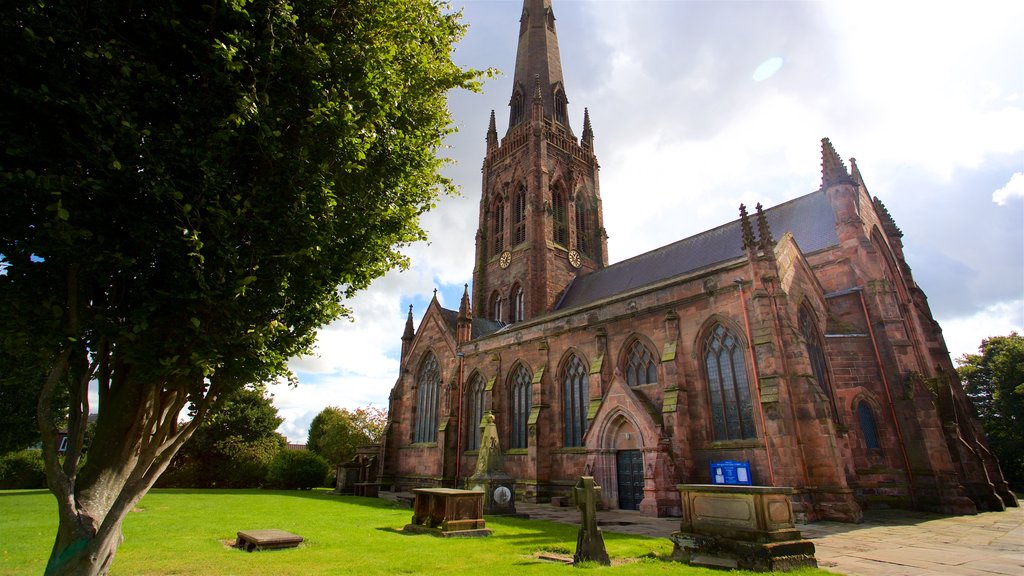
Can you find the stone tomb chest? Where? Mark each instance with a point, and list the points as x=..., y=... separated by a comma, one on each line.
x=746, y=527
x=448, y=512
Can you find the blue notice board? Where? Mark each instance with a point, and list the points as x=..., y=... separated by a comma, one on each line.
x=730, y=472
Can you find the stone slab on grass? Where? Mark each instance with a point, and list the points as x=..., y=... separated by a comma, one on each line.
x=252, y=540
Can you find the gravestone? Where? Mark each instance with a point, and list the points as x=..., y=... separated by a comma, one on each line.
x=589, y=541
x=489, y=476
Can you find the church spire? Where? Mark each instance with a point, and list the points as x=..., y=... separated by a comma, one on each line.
x=408, y=335
x=538, y=57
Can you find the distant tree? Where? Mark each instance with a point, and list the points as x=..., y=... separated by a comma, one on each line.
x=233, y=447
x=335, y=433
x=297, y=470
x=994, y=381
x=186, y=185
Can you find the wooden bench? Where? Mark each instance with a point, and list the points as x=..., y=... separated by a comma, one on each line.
x=252, y=540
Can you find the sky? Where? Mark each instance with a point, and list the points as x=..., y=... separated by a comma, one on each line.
x=698, y=106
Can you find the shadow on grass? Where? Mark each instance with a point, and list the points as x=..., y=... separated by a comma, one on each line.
x=23, y=492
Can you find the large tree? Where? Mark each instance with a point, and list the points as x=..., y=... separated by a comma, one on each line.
x=335, y=433
x=234, y=445
x=186, y=185
x=994, y=381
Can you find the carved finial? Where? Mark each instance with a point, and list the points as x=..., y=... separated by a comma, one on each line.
x=748, y=232
x=588, y=130
x=435, y=293
x=833, y=171
x=492, y=132
x=409, y=332
x=763, y=230
x=465, y=312
x=855, y=173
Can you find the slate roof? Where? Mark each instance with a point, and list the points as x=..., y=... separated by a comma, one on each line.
x=809, y=218
x=481, y=326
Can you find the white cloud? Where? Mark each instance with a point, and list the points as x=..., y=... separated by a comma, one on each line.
x=964, y=335
x=927, y=96
x=1013, y=189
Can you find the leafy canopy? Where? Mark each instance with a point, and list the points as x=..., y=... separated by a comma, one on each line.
x=335, y=433
x=186, y=185
x=994, y=381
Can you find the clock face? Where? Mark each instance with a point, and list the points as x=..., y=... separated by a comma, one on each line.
x=505, y=259
x=502, y=495
x=574, y=259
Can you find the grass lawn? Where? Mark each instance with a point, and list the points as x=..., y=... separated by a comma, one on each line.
x=183, y=532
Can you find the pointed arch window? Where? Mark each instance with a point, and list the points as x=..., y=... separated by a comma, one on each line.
x=495, y=306
x=816, y=354
x=517, y=304
x=575, y=398
x=582, y=226
x=519, y=217
x=475, y=412
x=640, y=366
x=732, y=411
x=521, y=401
x=498, y=226
x=428, y=385
x=559, y=230
x=561, y=106
x=517, y=107
x=866, y=417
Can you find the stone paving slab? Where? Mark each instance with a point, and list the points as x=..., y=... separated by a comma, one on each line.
x=887, y=543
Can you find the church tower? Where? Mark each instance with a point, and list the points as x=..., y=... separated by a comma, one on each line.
x=540, y=208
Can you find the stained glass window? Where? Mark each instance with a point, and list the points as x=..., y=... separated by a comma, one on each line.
x=428, y=386
x=576, y=397
x=732, y=412
x=640, y=366
x=521, y=396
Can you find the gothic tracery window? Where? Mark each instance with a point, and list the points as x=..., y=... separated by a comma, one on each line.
x=475, y=413
x=521, y=398
x=517, y=107
x=559, y=231
x=575, y=399
x=498, y=226
x=519, y=217
x=517, y=304
x=640, y=366
x=582, y=226
x=732, y=412
x=495, y=306
x=868, y=427
x=561, y=108
x=816, y=355
x=428, y=387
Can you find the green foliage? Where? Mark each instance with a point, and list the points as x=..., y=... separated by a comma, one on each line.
x=994, y=381
x=22, y=470
x=186, y=185
x=233, y=447
x=297, y=469
x=335, y=433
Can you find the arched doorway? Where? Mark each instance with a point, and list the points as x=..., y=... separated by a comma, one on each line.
x=629, y=464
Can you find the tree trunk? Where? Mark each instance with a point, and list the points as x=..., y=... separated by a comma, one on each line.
x=79, y=551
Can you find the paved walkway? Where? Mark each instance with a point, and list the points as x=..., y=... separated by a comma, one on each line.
x=887, y=543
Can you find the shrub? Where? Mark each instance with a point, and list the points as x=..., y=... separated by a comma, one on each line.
x=297, y=469
x=22, y=470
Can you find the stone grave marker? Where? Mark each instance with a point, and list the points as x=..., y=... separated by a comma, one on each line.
x=589, y=541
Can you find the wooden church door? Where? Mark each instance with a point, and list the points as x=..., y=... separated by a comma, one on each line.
x=630, y=472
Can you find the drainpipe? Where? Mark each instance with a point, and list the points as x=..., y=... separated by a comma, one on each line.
x=888, y=395
x=757, y=379
x=458, y=423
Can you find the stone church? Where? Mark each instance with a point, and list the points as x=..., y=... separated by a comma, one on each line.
x=793, y=338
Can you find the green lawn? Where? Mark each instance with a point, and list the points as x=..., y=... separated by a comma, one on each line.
x=183, y=532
